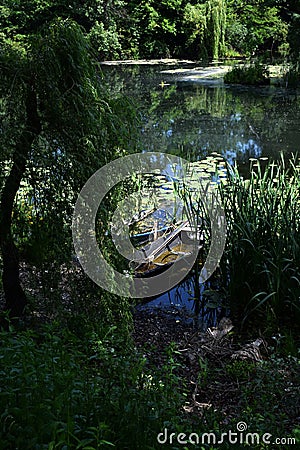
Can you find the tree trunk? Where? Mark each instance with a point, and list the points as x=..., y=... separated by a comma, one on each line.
x=15, y=298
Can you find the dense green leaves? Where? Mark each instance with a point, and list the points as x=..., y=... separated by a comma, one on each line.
x=255, y=27
x=204, y=26
x=58, y=127
x=133, y=28
x=65, y=392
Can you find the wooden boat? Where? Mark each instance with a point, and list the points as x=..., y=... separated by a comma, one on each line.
x=151, y=235
x=149, y=225
x=161, y=254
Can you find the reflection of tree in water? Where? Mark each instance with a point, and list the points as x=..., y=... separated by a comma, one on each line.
x=203, y=305
x=237, y=124
x=193, y=119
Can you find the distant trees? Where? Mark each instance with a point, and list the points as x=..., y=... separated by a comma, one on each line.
x=208, y=28
x=255, y=27
x=155, y=26
x=197, y=29
x=293, y=13
x=204, y=27
x=179, y=28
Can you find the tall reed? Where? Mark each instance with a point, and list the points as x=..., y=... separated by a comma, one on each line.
x=261, y=265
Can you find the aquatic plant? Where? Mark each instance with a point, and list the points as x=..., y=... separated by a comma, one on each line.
x=261, y=264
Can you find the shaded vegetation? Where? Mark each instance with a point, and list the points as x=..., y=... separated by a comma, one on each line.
x=64, y=128
x=74, y=373
x=90, y=391
x=255, y=74
x=262, y=262
x=80, y=392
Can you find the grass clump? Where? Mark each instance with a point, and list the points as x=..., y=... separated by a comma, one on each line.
x=261, y=264
x=253, y=74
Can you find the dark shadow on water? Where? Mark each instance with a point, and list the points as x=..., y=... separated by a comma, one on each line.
x=198, y=305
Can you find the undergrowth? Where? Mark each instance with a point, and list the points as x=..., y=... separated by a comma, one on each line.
x=61, y=392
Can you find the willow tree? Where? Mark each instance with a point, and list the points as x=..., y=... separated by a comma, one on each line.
x=204, y=25
x=216, y=24
x=52, y=103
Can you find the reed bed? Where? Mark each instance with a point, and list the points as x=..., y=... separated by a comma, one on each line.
x=261, y=264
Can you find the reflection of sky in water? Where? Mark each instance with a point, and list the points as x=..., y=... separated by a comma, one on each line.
x=250, y=149
x=247, y=148
x=180, y=303
x=236, y=117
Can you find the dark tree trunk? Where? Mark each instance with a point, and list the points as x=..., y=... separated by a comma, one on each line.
x=15, y=298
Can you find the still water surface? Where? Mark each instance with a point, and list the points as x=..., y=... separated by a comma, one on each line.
x=192, y=117
x=195, y=118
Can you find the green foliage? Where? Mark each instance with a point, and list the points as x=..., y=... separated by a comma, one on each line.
x=155, y=26
x=105, y=41
x=292, y=77
x=294, y=35
x=195, y=26
x=266, y=399
x=240, y=370
x=80, y=129
x=201, y=29
x=102, y=21
x=204, y=27
x=253, y=74
x=64, y=392
x=262, y=260
x=73, y=104
x=255, y=28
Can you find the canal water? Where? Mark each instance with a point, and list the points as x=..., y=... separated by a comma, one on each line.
x=188, y=111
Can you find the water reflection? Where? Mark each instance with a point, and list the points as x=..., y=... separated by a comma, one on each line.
x=192, y=303
x=194, y=119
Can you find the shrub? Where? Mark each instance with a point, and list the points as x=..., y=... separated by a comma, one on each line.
x=292, y=77
x=62, y=392
x=253, y=74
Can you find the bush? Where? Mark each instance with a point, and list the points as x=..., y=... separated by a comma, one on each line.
x=62, y=392
x=255, y=74
x=292, y=77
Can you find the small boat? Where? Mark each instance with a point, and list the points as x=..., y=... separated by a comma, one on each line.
x=152, y=224
x=151, y=235
x=161, y=254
